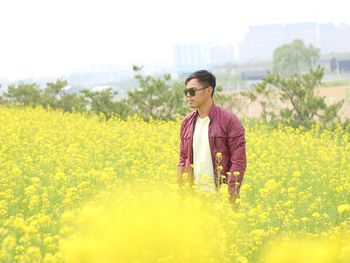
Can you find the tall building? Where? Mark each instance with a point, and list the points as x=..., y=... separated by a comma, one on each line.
x=222, y=55
x=327, y=37
x=191, y=57
x=261, y=41
x=342, y=38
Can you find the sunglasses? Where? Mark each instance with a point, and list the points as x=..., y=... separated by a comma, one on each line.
x=192, y=91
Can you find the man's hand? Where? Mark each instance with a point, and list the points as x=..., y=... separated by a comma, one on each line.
x=180, y=180
x=234, y=200
x=180, y=177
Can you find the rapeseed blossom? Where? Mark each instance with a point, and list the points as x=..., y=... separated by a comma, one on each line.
x=75, y=188
x=343, y=208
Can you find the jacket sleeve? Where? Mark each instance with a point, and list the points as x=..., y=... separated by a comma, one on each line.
x=182, y=157
x=237, y=149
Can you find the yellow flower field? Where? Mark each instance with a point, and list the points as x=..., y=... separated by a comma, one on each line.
x=74, y=188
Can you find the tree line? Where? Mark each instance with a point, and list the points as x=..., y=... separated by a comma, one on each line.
x=155, y=97
x=291, y=83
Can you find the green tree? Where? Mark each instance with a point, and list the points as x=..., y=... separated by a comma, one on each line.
x=233, y=100
x=177, y=100
x=299, y=105
x=101, y=102
x=72, y=103
x=1, y=98
x=53, y=93
x=24, y=94
x=295, y=58
x=122, y=109
x=156, y=97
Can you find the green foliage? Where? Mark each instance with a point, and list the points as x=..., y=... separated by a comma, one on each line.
x=228, y=78
x=177, y=99
x=1, y=98
x=101, y=102
x=72, y=103
x=294, y=57
x=52, y=94
x=24, y=94
x=232, y=101
x=156, y=97
x=122, y=109
x=295, y=95
x=290, y=99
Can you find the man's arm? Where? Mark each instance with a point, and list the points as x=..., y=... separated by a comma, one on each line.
x=182, y=158
x=236, y=145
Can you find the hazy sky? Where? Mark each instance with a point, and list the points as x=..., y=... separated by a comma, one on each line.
x=52, y=37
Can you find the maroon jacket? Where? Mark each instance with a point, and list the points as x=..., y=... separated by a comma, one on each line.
x=226, y=136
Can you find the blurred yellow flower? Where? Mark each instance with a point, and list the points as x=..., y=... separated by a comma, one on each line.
x=77, y=188
x=343, y=208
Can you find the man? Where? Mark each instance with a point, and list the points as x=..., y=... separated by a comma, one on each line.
x=212, y=139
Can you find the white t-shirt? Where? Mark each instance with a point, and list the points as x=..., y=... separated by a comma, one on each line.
x=202, y=159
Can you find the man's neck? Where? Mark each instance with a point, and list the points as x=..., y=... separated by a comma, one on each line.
x=204, y=109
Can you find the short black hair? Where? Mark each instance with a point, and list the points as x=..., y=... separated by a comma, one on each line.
x=205, y=77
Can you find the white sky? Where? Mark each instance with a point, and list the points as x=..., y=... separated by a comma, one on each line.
x=52, y=37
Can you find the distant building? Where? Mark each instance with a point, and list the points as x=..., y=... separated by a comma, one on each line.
x=342, y=37
x=326, y=63
x=191, y=57
x=341, y=65
x=222, y=55
x=261, y=41
x=248, y=75
x=334, y=39
x=327, y=38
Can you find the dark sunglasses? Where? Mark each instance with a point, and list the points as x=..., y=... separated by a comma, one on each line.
x=192, y=91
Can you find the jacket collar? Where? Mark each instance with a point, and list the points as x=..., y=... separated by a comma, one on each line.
x=211, y=113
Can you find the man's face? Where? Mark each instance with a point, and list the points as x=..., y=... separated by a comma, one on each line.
x=201, y=95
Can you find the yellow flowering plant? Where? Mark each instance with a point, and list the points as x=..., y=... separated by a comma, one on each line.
x=74, y=188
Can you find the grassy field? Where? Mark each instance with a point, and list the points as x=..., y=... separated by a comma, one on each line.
x=335, y=83
x=74, y=188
